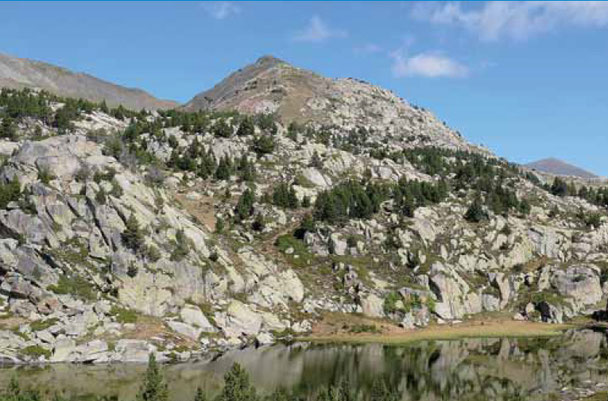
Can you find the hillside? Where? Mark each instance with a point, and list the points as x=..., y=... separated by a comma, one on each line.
x=271, y=85
x=184, y=232
x=559, y=167
x=17, y=73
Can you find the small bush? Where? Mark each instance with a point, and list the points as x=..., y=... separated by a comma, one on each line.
x=133, y=236
x=123, y=315
x=45, y=175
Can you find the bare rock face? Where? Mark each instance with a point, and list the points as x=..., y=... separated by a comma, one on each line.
x=581, y=283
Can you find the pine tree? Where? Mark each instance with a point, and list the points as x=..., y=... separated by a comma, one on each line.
x=224, y=169
x=475, y=213
x=244, y=207
x=246, y=127
x=7, y=129
x=133, y=236
x=237, y=386
x=104, y=107
x=292, y=198
x=263, y=144
x=154, y=387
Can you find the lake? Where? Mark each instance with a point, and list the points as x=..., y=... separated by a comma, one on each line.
x=469, y=369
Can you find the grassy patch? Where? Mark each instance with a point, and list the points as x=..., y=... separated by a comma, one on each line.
x=76, y=285
x=473, y=329
x=364, y=328
x=123, y=315
x=40, y=325
x=301, y=256
x=35, y=351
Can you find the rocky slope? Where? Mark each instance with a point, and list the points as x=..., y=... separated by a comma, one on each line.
x=180, y=232
x=17, y=73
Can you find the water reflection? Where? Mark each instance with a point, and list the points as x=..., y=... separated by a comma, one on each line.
x=472, y=369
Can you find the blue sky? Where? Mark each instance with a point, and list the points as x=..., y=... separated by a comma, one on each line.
x=527, y=79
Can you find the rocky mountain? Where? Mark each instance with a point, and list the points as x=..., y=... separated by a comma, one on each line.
x=125, y=233
x=271, y=85
x=560, y=167
x=17, y=73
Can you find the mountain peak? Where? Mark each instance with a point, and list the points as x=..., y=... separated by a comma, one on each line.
x=269, y=60
x=552, y=165
x=270, y=85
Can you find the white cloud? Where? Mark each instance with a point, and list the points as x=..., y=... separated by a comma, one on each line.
x=318, y=31
x=429, y=65
x=221, y=9
x=495, y=20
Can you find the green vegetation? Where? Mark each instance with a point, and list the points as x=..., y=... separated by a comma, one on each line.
x=183, y=245
x=40, y=325
x=74, y=285
x=244, y=207
x=9, y=192
x=133, y=236
x=154, y=387
x=263, y=144
x=35, y=351
x=476, y=213
x=390, y=302
x=283, y=195
x=123, y=315
x=237, y=387
x=353, y=199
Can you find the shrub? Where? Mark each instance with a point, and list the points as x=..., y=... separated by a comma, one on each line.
x=476, y=213
x=219, y=225
x=100, y=196
x=246, y=127
x=10, y=192
x=133, y=237
x=8, y=129
x=35, y=351
x=222, y=129
x=183, y=244
x=45, y=175
x=263, y=144
x=390, y=302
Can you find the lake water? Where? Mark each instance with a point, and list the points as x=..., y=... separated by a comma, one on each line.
x=471, y=369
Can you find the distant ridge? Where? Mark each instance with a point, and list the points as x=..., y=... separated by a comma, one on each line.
x=18, y=73
x=560, y=167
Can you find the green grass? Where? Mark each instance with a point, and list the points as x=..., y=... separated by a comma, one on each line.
x=75, y=285
x=40, y=325
x=364, y=328
x=301, y=256
x=35, y=351
x=123, y=315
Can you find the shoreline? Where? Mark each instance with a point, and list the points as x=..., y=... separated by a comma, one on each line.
x=494, y=328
